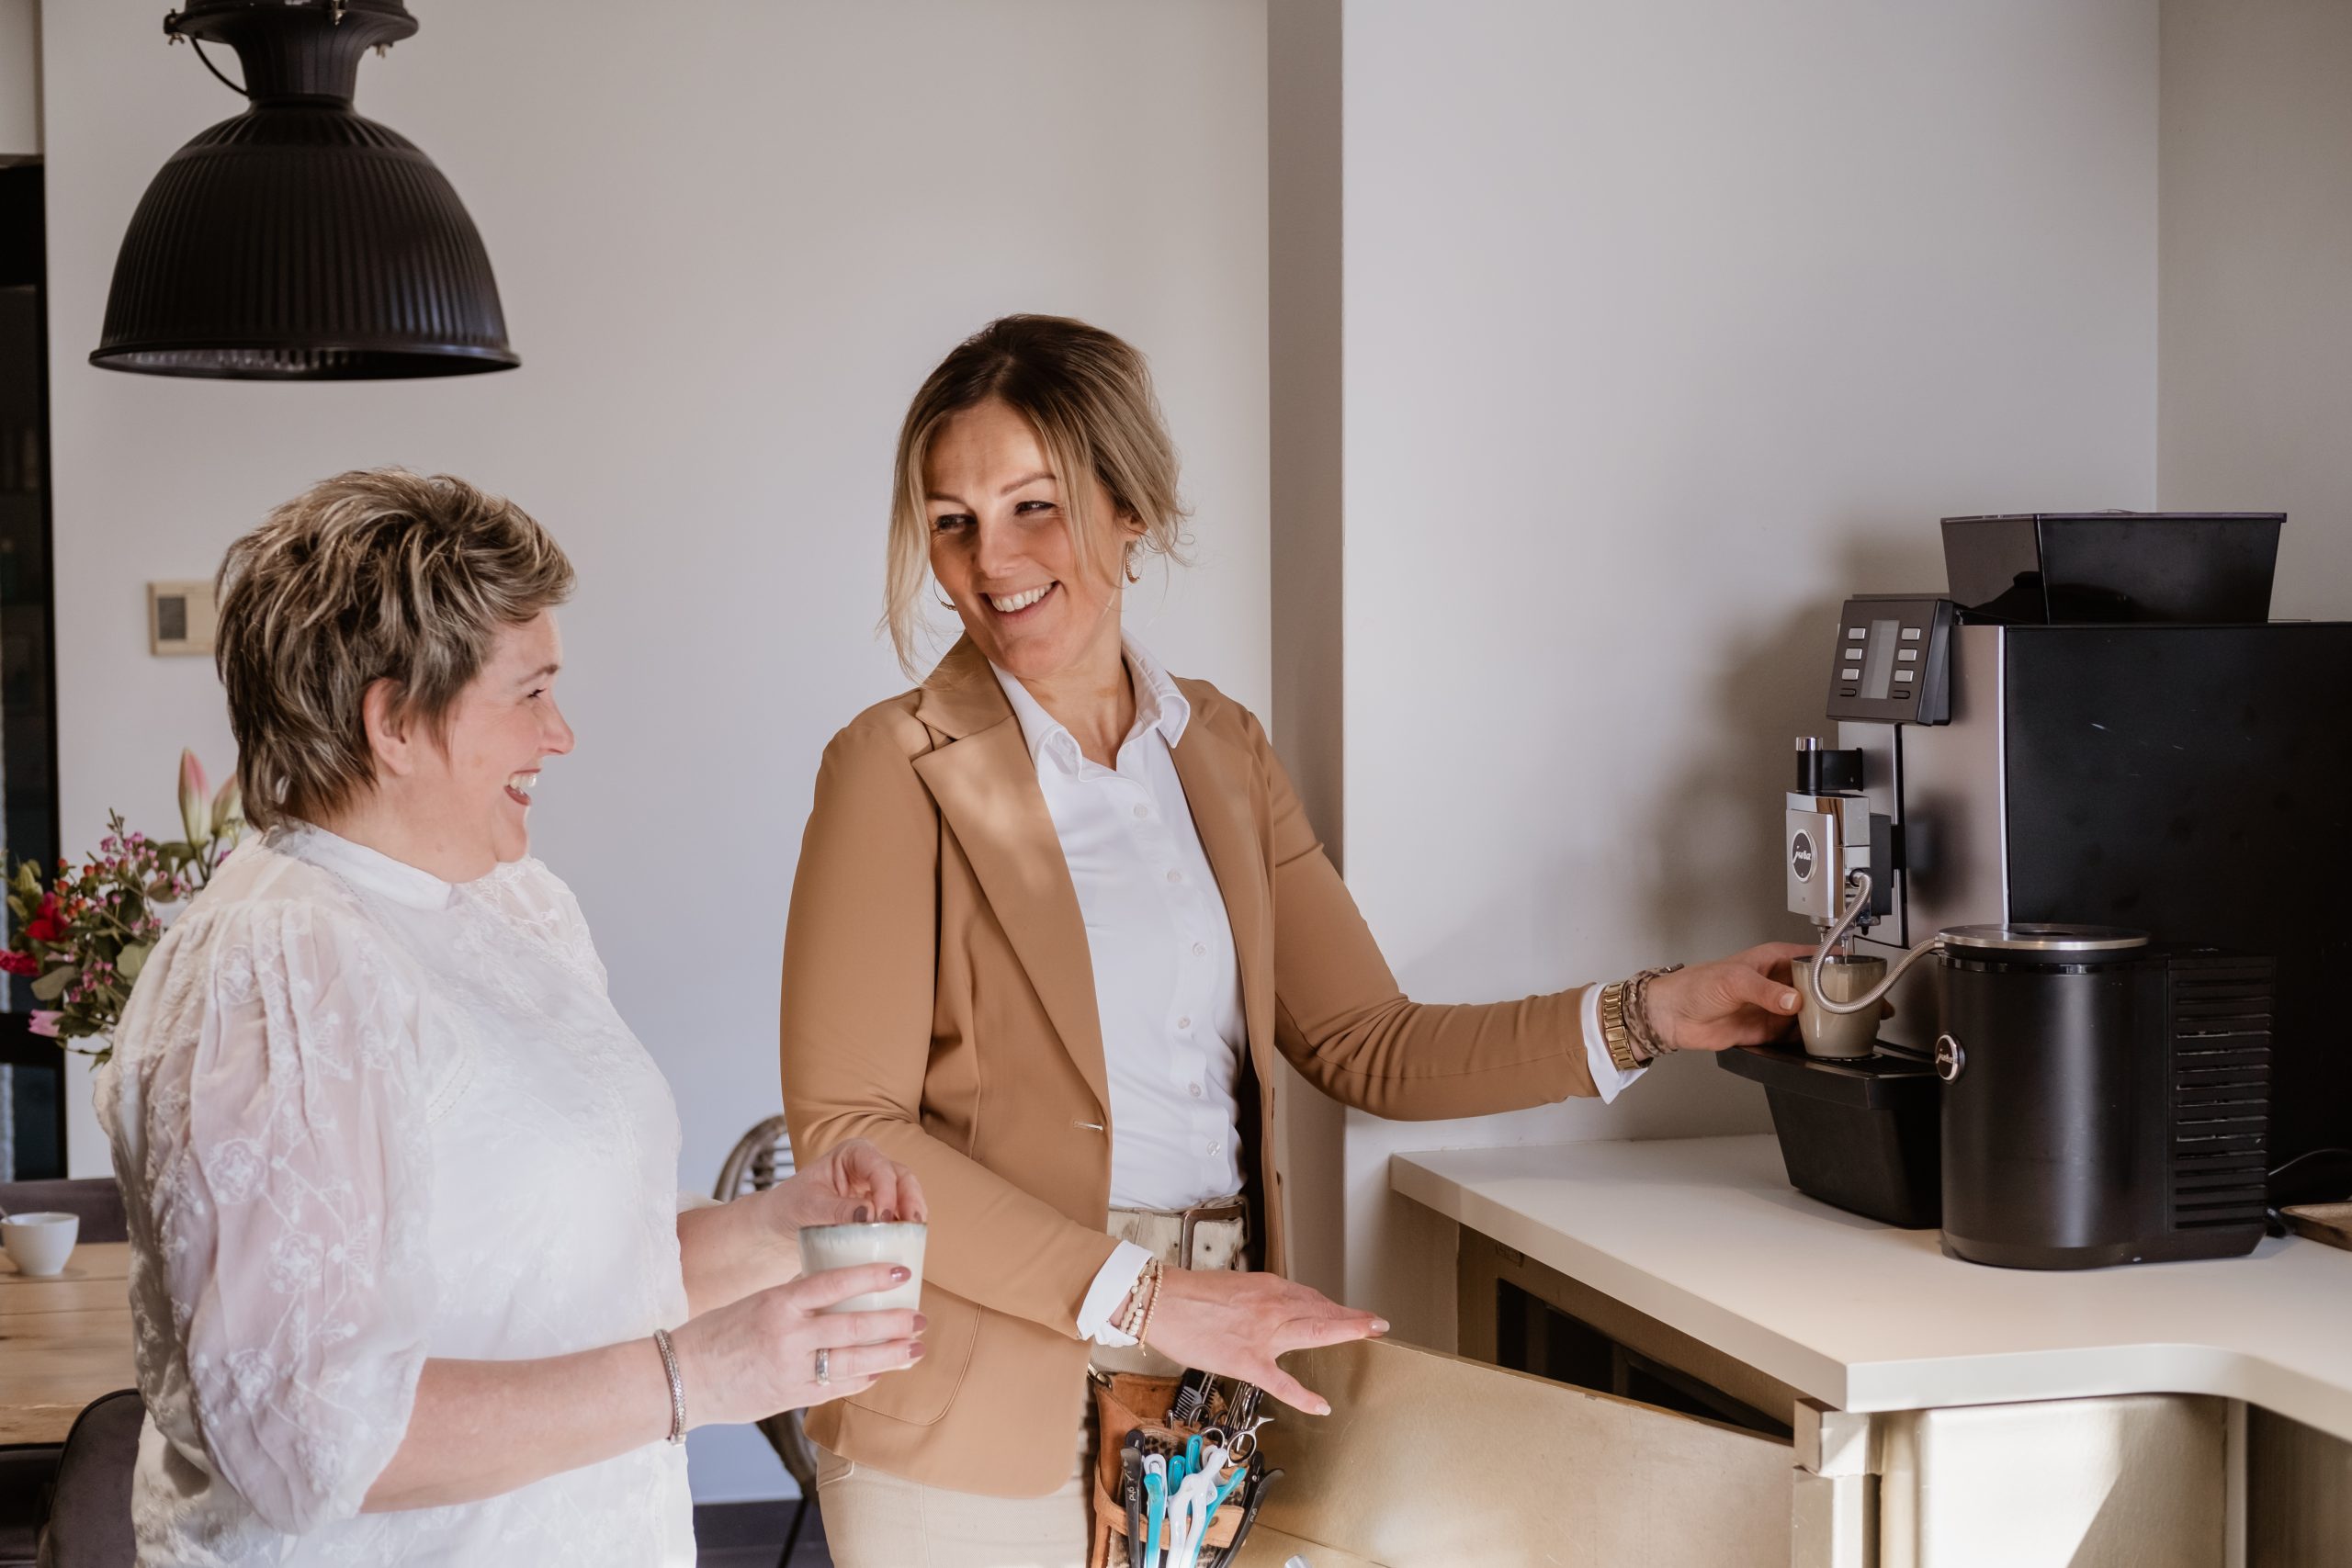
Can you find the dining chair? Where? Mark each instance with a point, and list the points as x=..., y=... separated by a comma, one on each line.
x=761, y=1158
x=96, y=1198
x=89, y=1516
x=26, y=1476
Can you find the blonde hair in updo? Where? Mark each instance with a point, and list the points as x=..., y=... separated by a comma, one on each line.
x=375, y=574
x=1088, y=395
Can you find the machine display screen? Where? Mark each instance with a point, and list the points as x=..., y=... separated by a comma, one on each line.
x=1878, y=659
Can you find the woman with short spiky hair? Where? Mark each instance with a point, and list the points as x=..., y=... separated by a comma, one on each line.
x=407, y=1249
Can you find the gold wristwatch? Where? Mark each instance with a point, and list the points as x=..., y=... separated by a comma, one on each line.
x=1614, y=1031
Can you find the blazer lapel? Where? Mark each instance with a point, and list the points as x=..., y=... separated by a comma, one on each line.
x=1216, y=776
x=986, y=786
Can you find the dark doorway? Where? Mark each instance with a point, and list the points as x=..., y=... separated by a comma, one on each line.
x=32, y=1100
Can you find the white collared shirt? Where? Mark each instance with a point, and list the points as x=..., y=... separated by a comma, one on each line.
x=1167, y=984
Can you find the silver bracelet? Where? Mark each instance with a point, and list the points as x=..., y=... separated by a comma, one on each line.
x=677, y=1385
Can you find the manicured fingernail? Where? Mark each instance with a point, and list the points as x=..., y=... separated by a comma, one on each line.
x=914, y=1351
x=899, y=1275
x=1321, y=1408
x=1788, y=1001
x=1379, y=1325
x=858, y=1215
x=921, y=1323
x=889, y=1216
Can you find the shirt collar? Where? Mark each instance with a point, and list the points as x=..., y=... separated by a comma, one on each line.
x=371, y=871
x=1160, y=705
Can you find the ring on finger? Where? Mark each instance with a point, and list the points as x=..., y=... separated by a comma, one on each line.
x=824, y=1368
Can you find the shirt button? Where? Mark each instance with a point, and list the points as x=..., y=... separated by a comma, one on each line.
x=1218, y=1148
x=1143, y=811
x=1196, y=1091
x=1199, y=950
x=1183, y=1023
x=1175, y=877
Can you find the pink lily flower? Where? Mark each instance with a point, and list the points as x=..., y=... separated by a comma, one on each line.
x=196, y=792
x=228, y=807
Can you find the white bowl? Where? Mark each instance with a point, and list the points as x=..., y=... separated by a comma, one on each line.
x=843, y=1247
x=40, y=1243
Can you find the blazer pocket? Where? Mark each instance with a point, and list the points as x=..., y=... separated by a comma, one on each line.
x=920, y=1395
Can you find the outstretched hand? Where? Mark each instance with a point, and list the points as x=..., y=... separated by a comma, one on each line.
x=1235, y=1325
x=1748, y=998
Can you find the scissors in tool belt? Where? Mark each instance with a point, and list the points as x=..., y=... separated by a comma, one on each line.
x=1241, y=1442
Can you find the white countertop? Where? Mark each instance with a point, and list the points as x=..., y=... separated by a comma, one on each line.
x=1707, y=1234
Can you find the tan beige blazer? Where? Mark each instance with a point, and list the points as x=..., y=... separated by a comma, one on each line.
x=939, y=999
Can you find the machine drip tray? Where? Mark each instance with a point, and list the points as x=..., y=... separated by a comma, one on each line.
x=1863, y=1135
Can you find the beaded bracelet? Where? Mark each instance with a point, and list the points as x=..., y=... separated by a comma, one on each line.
x=1136, y=1294
x=1141, y=1300
x=1143, y=1324
x=1138, y=1297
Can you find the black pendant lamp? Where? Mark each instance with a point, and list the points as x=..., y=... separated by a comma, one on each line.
x=300, y=242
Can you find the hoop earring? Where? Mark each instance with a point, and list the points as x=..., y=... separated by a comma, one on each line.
x=1133, y=575
x=945, y=603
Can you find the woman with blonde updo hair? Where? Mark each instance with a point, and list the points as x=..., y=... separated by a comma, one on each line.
x=1058, y=914
x=411, y=1275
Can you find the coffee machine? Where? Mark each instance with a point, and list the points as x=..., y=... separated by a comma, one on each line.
x=2096, y=725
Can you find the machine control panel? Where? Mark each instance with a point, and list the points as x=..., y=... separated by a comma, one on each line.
x=1893, y=663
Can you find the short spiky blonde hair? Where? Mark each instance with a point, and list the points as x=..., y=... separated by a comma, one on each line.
x=1088, y=395
x=373, y=575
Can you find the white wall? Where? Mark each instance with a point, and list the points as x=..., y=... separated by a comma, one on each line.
x=731, y=240
x=19, y=80
x=2257, y=278
x=1307, y=430
x=1669, y=324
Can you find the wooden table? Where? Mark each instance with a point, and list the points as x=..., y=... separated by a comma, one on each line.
x=63, y=1342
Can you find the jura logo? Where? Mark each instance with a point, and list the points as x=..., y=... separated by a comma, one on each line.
x=1800, y=855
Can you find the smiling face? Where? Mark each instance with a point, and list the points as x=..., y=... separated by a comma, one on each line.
x=1002, y=548
x=462, y=800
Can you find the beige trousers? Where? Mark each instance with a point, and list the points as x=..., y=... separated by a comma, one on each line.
x=877, y=1520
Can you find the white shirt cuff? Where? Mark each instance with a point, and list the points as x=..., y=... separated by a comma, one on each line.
x=1112, y=1282
x=1607, y=1075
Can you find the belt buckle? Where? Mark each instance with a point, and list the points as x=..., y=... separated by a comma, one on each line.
x=1194, y=1216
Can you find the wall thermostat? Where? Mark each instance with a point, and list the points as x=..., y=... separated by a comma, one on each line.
x=180, y=618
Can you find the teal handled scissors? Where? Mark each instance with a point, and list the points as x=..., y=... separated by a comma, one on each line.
x=1225, y=1488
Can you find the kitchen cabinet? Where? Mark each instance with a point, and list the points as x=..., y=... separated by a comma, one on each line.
x=1428, y=1461
x=1940, y=1413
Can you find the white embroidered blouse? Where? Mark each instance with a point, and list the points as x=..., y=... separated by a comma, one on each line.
x=362, y=1117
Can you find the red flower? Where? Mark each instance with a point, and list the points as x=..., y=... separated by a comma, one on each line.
x=45, y=926
x=23, y=963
